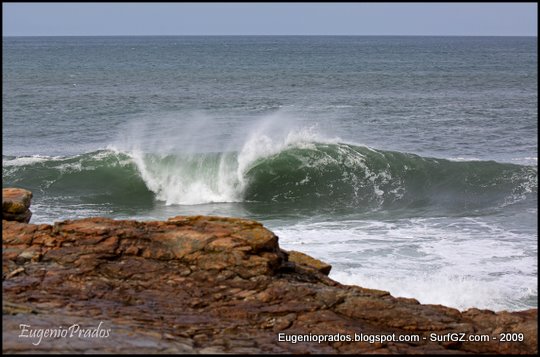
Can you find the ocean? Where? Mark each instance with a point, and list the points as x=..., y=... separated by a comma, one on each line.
x=408, y=163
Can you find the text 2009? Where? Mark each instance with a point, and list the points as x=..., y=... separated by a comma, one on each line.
x=511, y=337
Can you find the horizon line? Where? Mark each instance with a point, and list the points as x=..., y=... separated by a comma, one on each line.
x=260, y=35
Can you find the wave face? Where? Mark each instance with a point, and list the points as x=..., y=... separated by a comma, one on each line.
x=97, y=177
x=343, y=174
x=307, y=173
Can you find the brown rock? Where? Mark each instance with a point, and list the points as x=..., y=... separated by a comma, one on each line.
x=16, y=204
x=304, y=259
x=211, y=285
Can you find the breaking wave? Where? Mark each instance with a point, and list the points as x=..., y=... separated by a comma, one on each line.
x=312, y=173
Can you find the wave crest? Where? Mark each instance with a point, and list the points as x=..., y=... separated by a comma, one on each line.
x=298, y=172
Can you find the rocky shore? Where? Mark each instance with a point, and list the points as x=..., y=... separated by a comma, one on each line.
x=197, y=284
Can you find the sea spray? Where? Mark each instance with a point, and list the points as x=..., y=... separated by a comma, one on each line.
x=181, y=170
x=265, y=141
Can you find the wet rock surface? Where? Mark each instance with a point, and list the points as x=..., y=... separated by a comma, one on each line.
x=210, y=285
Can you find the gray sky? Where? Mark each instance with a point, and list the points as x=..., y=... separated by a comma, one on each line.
x=474, y=19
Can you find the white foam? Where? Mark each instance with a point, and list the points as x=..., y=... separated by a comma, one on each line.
x=527, y=160
x=458, y=291
x=461, y=158
x=28, y=160
x=470, y=263
x=175, y=183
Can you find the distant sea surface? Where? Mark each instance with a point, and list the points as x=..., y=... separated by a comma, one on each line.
x=408, y=163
